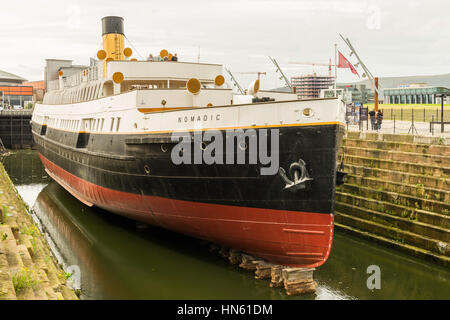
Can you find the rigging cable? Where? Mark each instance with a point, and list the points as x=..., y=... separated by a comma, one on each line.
x=134, y=48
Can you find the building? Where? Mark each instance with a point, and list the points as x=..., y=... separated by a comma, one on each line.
x=440, y=80
x=357, y=93
x=38, y=89
x=12, y=93
x=414, y=93
x=309, y=86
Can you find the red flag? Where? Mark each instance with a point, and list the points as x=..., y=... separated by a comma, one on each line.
x=344, y=63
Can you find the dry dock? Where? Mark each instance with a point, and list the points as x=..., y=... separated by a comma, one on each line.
x=397, y=193
x=27, y=268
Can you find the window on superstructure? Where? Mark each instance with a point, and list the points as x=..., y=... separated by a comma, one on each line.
x=118, y=124
x=103, y=121
x=112, y=125
x=98, y=125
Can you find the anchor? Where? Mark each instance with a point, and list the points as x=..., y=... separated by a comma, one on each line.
x=298, y=172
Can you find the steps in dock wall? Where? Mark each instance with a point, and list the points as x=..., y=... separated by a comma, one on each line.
x=397, y=192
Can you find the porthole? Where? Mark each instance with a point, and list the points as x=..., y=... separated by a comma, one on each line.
x=147, y=169
x=308, y=112
x=164, y=148
x=203, y=146
x=163, y=102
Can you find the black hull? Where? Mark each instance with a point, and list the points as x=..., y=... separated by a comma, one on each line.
x=137, y=164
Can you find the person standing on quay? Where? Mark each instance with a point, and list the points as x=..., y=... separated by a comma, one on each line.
x=372, y=119
x=379, y=119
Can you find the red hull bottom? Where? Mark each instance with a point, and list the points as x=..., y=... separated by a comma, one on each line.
x=292, y=238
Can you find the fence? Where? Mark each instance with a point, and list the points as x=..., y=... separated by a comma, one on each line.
x=420, y=114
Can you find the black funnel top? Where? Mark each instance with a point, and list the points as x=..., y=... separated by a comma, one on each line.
x=112, y=25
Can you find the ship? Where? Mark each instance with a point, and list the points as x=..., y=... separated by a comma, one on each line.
x=169, y=143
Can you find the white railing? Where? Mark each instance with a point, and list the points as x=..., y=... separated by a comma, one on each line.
x=53, y=85
x=94, y=73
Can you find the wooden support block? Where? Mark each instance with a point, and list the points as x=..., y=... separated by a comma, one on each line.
x=296, y=275
x=235, y=256
x=298, y=280
x=263, y=269
x=213, y=247
x=300, y=288
x=224, y=252
x=247, y=262
x=276, y=277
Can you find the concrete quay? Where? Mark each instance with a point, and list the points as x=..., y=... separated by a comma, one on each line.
x=28, y=270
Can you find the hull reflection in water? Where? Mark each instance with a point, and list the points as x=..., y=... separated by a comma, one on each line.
x=119, y=261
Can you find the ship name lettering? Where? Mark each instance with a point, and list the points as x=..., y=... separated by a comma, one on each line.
x=198, y=118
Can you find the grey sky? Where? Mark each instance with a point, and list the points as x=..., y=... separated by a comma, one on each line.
x=394, y=38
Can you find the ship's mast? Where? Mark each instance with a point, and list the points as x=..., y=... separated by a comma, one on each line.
x=283, y=76
x=236, y=84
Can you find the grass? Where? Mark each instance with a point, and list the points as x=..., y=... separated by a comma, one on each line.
x=31, y=230
x=24, y=279
x=417, y=106
x=64, y=275
x=4, y=213
x=422, y=112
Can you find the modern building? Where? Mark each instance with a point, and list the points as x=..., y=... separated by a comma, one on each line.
x=414, y=93
x=309, y=86
x=38, y=89
x=12, y=93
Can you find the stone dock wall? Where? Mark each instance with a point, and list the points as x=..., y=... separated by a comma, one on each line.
x=28, y=270
x=397, y=193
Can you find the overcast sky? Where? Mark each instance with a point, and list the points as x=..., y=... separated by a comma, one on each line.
x=393, y=38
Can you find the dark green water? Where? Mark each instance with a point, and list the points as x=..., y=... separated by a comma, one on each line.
x=119, y=260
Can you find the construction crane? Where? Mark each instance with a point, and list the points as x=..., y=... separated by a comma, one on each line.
x=283, y=76
x=259, y=73
x=235, y=83
x=329, y=65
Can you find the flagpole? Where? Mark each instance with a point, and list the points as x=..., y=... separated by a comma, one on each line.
x=335, y=68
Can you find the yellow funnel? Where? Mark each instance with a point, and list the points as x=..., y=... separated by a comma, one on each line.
x=113, y=38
